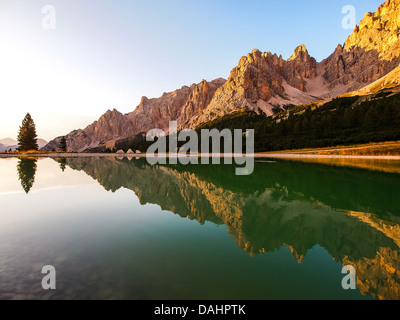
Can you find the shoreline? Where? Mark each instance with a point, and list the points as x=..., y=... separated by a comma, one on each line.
x=286, y=155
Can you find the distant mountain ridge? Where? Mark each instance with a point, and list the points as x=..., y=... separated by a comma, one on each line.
x=263, y=81
x=8, y=143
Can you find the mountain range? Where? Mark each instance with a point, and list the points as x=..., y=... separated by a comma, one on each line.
x=263, y=82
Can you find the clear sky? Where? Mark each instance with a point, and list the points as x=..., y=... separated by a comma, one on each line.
x=108, y=54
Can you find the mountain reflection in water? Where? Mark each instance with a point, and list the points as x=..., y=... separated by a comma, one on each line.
x=352, y=213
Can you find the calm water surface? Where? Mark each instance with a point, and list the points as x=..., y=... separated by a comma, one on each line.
x=122, y=229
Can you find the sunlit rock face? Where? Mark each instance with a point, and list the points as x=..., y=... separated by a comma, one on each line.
x=379, y=31
x=370, y=52
x=258, y=81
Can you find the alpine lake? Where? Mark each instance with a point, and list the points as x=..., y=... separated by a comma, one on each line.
x=120, y=228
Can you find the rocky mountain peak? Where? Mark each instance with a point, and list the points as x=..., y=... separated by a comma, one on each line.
x=379, y=31
x=198, y=100
x=144, y=99
x=369, y=53
x=300, y=53
x=112, y=112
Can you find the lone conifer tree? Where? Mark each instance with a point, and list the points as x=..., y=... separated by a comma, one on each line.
x=63, y=145
x=27, y=137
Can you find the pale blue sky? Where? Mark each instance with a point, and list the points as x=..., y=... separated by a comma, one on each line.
x=107, y=54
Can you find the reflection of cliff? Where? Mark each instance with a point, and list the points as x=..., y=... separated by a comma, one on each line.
x=296, y=205
x=151, y=184
x=379, y=276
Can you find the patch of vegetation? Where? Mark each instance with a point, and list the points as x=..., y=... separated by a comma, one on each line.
x=382, y=94
x=236, y=120
x=136, y=142
x=276, y=109
x=342, y=121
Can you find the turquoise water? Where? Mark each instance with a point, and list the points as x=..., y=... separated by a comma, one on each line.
x=123, y=229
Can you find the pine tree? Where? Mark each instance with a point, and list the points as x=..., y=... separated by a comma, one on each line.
x=27, y=137
x=63, y=145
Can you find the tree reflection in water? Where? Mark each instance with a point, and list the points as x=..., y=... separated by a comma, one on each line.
x=26, y=173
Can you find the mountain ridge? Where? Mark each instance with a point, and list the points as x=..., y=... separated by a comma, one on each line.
x=261, y=82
